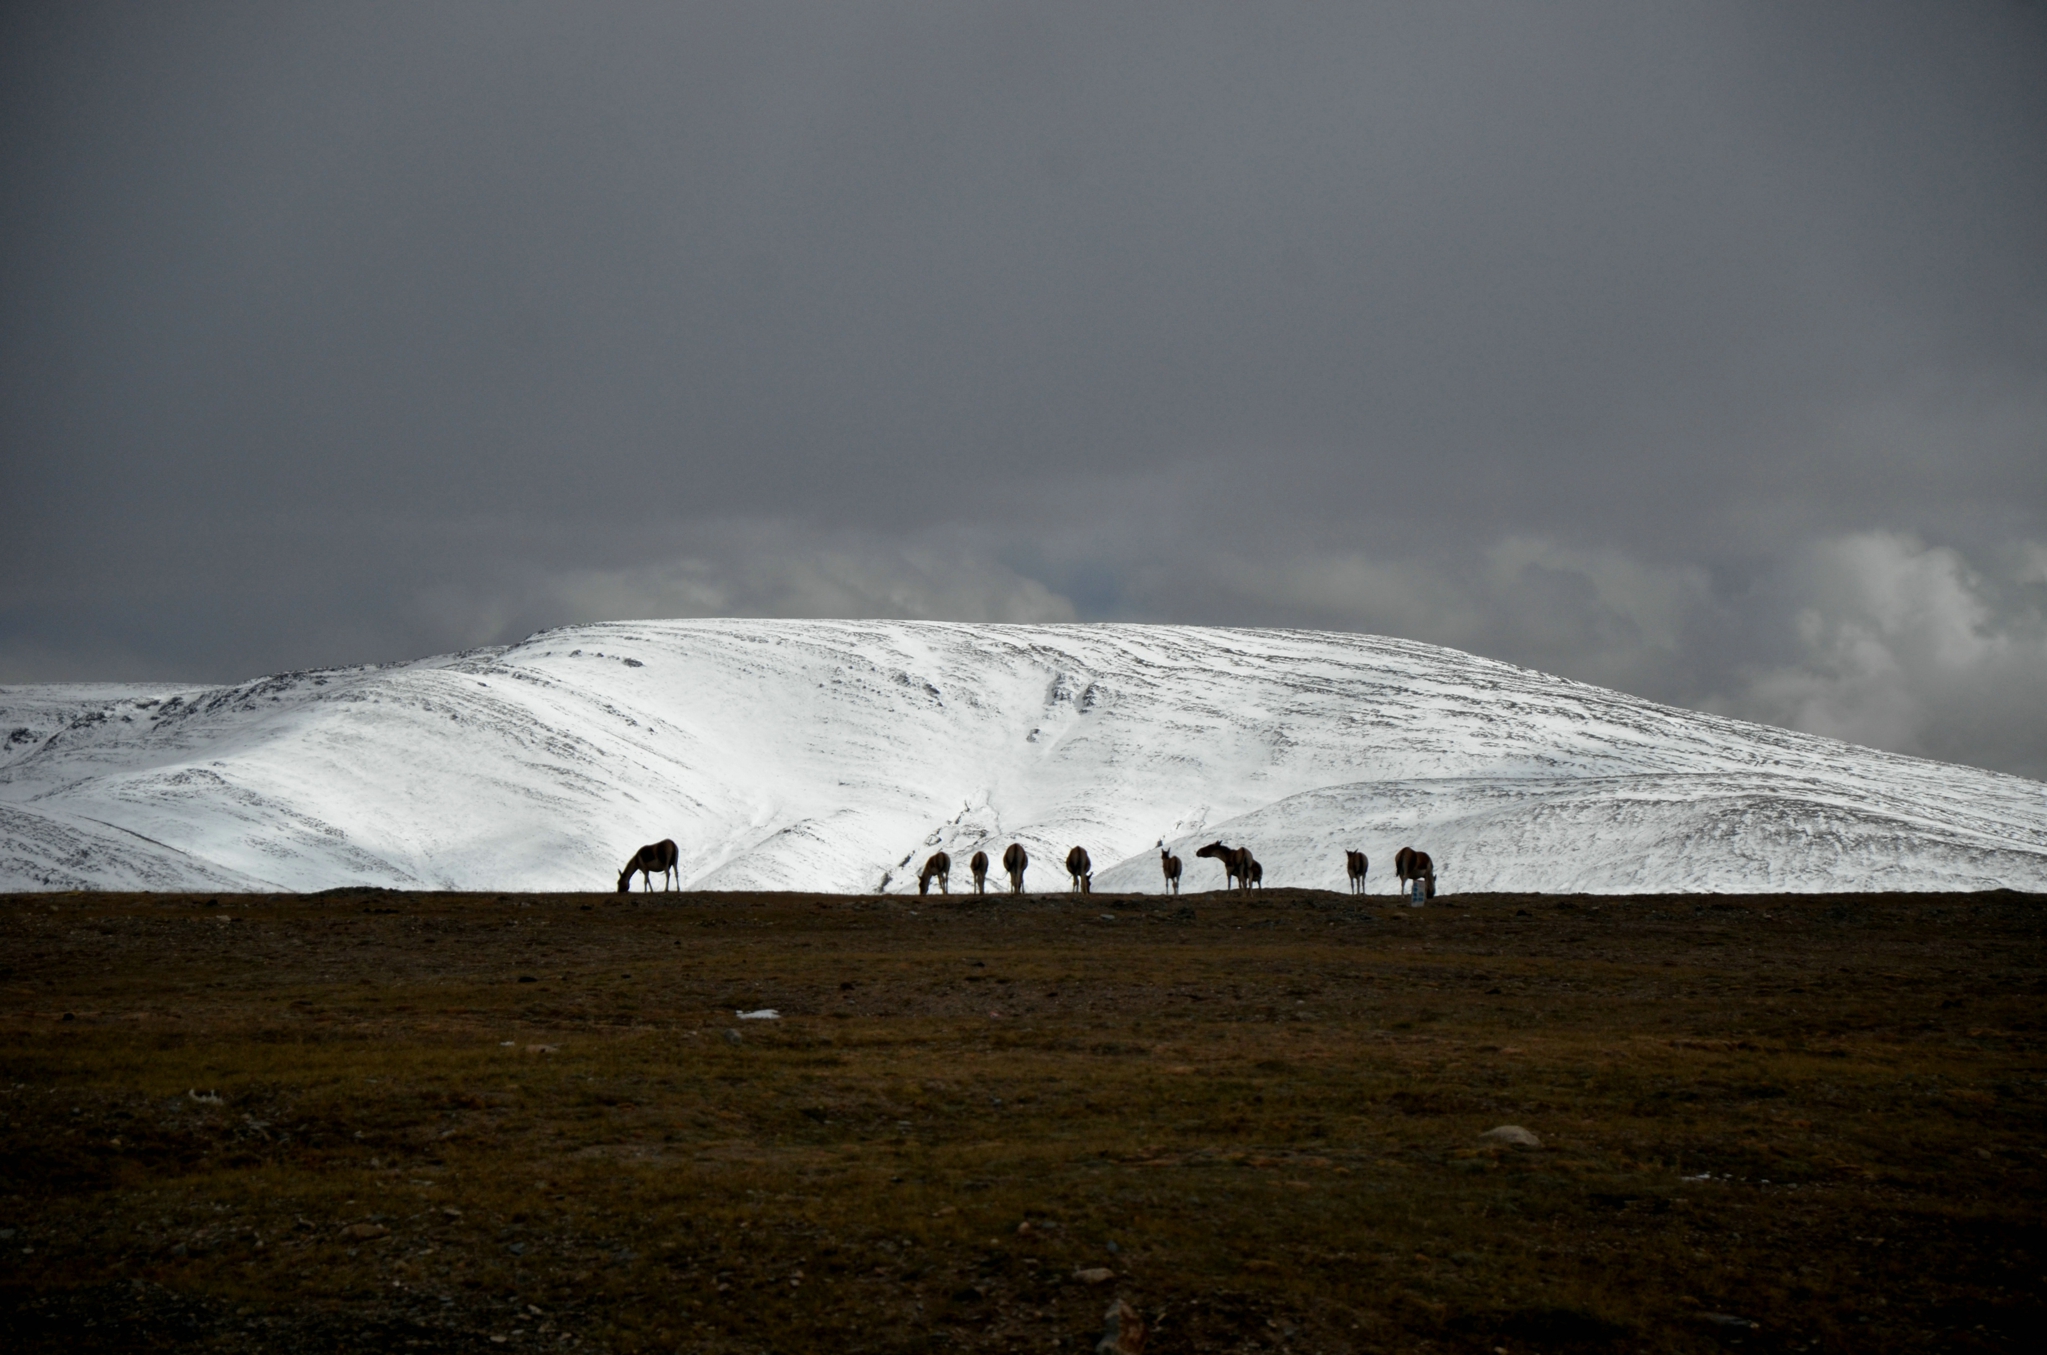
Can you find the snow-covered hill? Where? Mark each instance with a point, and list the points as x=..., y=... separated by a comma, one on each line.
x=834, y=755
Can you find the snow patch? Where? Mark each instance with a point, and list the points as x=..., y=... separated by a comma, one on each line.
x=832, y=755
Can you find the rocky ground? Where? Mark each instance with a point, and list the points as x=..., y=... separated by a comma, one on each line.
x=379, y=1121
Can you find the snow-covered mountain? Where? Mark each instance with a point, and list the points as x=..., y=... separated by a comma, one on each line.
x=835, y=755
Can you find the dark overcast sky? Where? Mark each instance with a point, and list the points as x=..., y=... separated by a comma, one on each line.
x=1700, y=351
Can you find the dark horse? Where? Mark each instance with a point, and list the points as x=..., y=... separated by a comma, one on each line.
x=979, y=865
x=1355, y=866
x=1081, y=869
x=1236, y=862
x=660, y=856
x=1410, y=864
x=1170, y=864
x=940, y=865
x=1014, y=860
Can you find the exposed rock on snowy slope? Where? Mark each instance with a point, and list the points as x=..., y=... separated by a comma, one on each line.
x=836, y=755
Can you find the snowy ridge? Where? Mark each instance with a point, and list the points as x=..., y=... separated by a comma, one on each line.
x=835, y=755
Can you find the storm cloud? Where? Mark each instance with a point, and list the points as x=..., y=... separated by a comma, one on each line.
x=1699, y=352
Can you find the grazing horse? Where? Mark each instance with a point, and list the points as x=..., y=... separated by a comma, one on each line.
x=1410, y=864
x=660, y=856
x=979, y=865
x=1081, y=869
x=1170, y=864
x=1236, y=863
x=940, y=865
x=1014, y=860
x=1355, y=866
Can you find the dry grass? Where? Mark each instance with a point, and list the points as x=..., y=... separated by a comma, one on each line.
x=1820, y=1115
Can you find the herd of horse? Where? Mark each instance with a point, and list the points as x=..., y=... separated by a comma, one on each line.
x=1415, y=870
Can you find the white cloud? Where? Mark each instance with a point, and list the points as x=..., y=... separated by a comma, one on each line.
x=1873, y=637
x=761, y=568
x=1598, y=615
x=1906, y=646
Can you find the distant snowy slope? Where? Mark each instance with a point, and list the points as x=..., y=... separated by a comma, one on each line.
x=836, y=755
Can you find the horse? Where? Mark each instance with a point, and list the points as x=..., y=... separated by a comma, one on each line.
x=940, y=865
x=979, y=865
x=661, y=856
x=1355, y=865
x=1014, y=861
x=1170, y=864
x=1236, y=863
x=1081, y=869
x=1410, y=864
x=1254, y=877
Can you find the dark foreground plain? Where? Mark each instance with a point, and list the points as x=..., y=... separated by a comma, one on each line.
x=394, y=1122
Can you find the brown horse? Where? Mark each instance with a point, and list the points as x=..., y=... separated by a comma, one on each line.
x=1170, y=864
x=1236, y=863
x=1355, y=866
x=1254, y=874
x=940, y=865
x=1409, y=864
x=660, y=856
x=1014, y=861
x=1081, y=869
x=979, y=865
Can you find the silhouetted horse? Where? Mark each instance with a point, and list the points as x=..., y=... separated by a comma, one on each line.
x=1081, y=869
x=1014, y=861
x=979, y=865
x=938, y=864
x=1170, y=864
x=1236, y=862
x=660, y=856
x=1410, y=864
x=1355, y=866
x=1254, y=874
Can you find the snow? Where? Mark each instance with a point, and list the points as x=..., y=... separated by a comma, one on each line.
x=836, y=755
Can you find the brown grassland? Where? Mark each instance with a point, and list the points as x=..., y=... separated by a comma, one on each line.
x=394, y=1122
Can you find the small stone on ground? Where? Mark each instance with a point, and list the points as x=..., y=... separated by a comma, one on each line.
x=1513, y=1134
x=1122, y=1331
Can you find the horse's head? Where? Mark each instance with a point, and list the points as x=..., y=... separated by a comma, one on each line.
x=625, y=880
x=1214, y=849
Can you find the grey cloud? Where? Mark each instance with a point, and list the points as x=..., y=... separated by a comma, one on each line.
x=1912, y=648
x=769, y=570
x=1573, y=334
